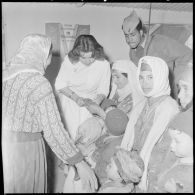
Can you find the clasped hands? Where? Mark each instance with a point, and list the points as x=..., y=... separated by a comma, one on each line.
x=92, y=106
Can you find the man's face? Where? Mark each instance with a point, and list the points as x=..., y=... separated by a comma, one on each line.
x=133, y=39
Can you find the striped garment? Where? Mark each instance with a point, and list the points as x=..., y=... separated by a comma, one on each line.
x=29, y=105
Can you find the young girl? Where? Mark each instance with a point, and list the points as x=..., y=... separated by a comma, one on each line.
x=150, y=117
x=125, y=91
x=177, y=176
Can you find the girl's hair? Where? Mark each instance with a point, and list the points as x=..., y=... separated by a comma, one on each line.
x=86, y=43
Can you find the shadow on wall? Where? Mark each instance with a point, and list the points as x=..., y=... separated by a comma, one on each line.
x=53, y=69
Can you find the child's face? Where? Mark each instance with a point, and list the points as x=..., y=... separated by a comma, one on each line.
x=182, y=143
x=146, y=81
x=119, y=79
x=185, y=93
x=112, y=171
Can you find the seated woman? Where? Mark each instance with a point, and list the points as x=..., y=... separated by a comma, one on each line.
x=150, y=117
x=125, y=92
x=84, y=73
x=177, y=176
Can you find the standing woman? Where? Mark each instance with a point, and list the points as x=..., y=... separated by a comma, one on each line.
x=150, y=117
x=84, y=74
x=30, y=112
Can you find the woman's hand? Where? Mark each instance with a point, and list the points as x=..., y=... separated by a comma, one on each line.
x=87, y=176
x=80, y=101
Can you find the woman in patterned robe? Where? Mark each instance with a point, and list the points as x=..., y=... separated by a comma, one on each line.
x=30, y=113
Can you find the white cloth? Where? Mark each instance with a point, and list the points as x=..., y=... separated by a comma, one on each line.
x=85, y=81
x=31, y=56
x=127, y=66
x=165, y=111
x=160, y=72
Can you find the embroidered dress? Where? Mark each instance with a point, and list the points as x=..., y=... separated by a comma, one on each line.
x=87, y=82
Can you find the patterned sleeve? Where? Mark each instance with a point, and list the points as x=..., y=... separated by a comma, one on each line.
x=49, y=120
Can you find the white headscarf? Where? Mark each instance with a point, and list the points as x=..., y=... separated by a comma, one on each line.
x=127, y=66
x=31, y=56
x=160, y=72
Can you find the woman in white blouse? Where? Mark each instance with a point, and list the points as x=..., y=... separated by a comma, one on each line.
x=84, y=74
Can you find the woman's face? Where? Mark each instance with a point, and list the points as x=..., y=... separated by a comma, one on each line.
x=146, y=81
x=185, y=93
x=86, y=58
x=119, y=79
x=182, y=143
x=112, y=171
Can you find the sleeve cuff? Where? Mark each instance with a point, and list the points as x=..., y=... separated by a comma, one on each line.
x=75, y=159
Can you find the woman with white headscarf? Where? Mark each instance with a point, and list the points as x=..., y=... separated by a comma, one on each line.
x=30, y=113
x=150, y=117
x=125, y=90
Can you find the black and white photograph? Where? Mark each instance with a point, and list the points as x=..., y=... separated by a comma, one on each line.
x=97, y=97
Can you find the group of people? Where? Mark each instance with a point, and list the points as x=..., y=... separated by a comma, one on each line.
x=124, y=126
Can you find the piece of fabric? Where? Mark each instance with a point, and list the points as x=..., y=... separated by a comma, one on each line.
x=130, y=165
x=164, y=111
x=31, y=56
x=86, y=82
x=126, y=66
x=24, y=167
x=145, y=121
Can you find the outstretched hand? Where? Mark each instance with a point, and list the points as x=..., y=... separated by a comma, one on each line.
x=87, y=176
x=94, y=108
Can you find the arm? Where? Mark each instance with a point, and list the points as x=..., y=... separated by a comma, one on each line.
x=72, y=95
x=104, y=85
x=58, y=138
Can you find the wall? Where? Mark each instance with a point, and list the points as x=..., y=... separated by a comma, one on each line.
x=25, y=18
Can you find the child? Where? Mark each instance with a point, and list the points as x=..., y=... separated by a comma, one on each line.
x=95, y=133
x=178, y=176
x=123, y=172
x=97, y=139
x=124, y=91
